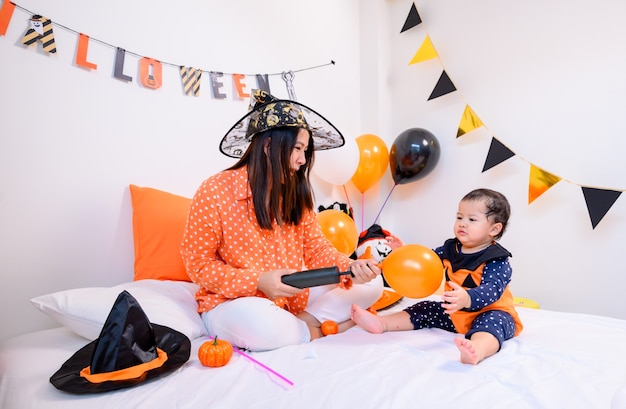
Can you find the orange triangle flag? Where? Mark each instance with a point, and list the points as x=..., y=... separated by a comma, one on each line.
x=425, y=52
x=540, y=182
x=469, y=122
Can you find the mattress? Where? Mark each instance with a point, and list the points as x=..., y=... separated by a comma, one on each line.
x=560, y=360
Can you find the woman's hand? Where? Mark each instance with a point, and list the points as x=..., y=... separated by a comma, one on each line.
x=456, y=299
x=364, y=270
x=271, y=285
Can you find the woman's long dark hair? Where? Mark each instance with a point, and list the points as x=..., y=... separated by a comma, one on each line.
x=277, y=193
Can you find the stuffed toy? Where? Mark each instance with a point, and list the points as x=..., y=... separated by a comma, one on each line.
x=374, y=239
x=343, y=207
x=373, y=244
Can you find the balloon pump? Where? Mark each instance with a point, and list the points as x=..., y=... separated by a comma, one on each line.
x=313, y=278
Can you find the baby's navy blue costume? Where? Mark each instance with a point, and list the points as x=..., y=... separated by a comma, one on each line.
x=486, y=276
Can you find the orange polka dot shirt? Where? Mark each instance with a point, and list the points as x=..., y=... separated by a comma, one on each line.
x=225, y=250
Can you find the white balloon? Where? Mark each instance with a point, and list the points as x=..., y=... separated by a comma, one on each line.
x=337, y=166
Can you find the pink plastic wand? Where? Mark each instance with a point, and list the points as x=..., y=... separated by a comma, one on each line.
x=267, y=368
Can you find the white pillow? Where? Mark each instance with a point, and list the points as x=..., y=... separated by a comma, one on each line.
x=84, y=310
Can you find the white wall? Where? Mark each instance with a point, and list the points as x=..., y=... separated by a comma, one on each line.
x=543, y=77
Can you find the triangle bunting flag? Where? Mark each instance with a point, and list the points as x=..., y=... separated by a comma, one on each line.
x=540, y=182
x=425, y=52
x=412, y=20
x=469, y=122
x=599, y=201
x=444, y=86
x=498, y=153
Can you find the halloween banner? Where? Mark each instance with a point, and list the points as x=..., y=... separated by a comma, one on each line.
x=425, y=52
x=6, y=12
x=497, y=154
x=39, y=32
x=469, y=122
x=598, y=201
x=412, y=20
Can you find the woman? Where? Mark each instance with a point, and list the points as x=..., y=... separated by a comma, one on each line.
x=254, y=222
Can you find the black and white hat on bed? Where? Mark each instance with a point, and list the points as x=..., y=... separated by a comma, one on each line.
x=129, y=351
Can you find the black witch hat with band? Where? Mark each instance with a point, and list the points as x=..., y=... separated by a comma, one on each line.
x=266, y=112
x=130, y=350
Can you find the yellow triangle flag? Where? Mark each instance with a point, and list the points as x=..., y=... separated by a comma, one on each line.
x=425, y=52
x=469, y=122
x=540, y=182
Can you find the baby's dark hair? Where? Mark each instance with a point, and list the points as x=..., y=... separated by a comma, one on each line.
x=498, y=208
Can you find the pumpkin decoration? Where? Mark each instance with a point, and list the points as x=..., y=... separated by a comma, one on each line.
x=329, y=327
x=215, y=353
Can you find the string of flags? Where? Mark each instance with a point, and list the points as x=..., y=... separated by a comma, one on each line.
x=599, y=201
x=41, y=30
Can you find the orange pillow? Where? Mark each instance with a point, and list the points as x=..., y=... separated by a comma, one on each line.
x=159, y=220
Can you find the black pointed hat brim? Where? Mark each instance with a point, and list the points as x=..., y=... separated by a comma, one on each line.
x=68, y=378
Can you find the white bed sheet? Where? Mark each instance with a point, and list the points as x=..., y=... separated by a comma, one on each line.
x=561, y=360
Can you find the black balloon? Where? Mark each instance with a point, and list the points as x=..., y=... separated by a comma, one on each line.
x=413, y=155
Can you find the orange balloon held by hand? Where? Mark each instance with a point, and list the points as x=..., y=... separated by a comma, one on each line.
x=412, y=270
x=340, y=229
x=373, y=161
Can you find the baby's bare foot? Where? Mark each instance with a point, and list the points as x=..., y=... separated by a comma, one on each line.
x=468, y=352
x=366, y=320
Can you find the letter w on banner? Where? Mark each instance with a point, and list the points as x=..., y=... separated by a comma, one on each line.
x=191, y=80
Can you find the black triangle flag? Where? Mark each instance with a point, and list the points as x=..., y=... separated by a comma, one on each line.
x=497, y=154
x=599, y=201
x=444, y=86
x=412, y=20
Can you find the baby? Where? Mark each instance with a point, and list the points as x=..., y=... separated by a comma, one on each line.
x=477, y=301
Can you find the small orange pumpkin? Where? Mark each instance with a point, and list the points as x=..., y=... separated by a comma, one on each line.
x=215, y=353
x=329, y=327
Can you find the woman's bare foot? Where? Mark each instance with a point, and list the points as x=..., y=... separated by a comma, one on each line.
x=366, y=320
x=469, y=355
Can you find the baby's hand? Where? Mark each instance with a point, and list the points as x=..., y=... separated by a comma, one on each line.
x=394, y=241
x=456, y=299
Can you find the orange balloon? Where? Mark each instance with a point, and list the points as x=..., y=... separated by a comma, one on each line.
x=412, y=270
x=373, y=161
x=340, y=229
